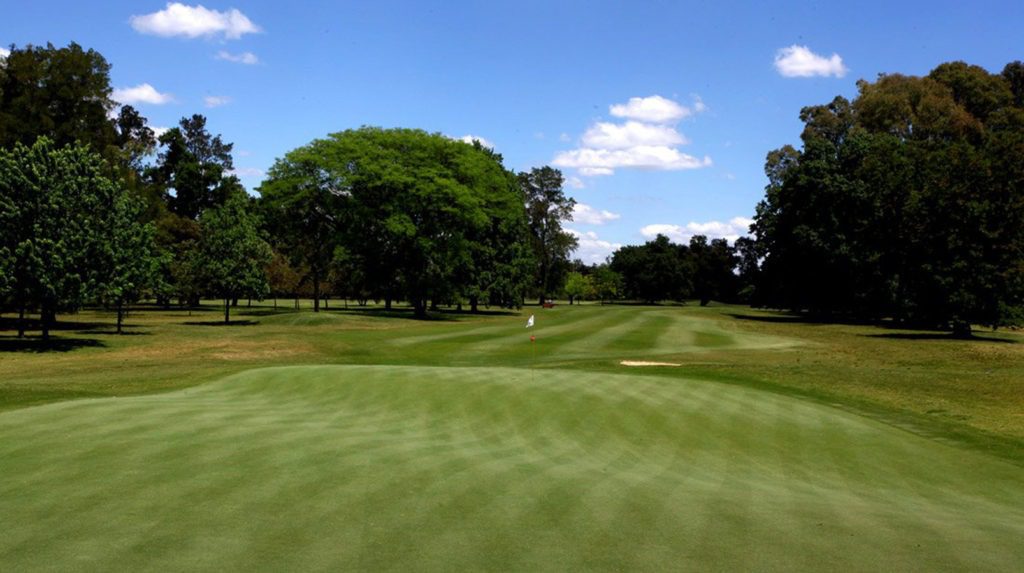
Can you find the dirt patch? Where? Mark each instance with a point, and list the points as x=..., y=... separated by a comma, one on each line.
x=646, y=363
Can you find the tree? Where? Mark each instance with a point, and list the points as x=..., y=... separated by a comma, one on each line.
x=418, y=214
x=58, y=213
x=196, y=166
x=59, y=93
x=906, y=203
x=546, y=208
x=282, y=278
x=131, y=263
x=607, y=283
x=713, y=268
x=302, y=202
x=578, y=287
x=657, y=270
x=230, y=257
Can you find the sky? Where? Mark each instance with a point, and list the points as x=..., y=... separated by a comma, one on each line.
x=659, y=114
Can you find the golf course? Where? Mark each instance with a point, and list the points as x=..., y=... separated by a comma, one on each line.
x=358, y=439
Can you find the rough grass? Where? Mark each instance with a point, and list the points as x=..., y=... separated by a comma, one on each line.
x=457, y=443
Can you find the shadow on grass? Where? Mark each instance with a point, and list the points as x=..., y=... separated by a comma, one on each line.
x=782, y=317
x=222, y=323
x=32, y=324
x=938, y=336
x=52, y=345
x=125, y=332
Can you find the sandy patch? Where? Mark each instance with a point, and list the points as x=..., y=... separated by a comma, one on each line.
x=645, y=363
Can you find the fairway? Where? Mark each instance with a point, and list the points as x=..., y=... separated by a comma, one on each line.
x=446, y=468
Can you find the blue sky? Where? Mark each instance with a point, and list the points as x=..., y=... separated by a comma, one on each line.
x=679, y=101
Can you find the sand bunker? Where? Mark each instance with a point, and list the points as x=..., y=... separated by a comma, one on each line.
x=645, y=363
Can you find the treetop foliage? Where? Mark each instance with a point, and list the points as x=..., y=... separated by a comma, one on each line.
x=906, y=202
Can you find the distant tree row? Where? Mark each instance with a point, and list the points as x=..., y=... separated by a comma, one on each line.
x=660, y=270
x=907, y=202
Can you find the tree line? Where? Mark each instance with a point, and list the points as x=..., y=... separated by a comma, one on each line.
x=96, y=209
x=905, y=203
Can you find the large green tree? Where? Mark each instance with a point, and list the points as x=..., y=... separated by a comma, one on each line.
x=59, y=216
x=657, y=270
x=231, y=258
x=302, y=204
x=130, y=263
x=59, y=93
x=547, y=207
x=907, y=202
x=413, y=214
x=194, y=167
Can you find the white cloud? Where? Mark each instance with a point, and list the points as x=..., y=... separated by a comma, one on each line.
x=646, y=140
x=733, y=229
x=470, y=138
x=247, y=172
x=605, y=161
x=604, y=135
x=564, y=137
x=654, y=109
x=247, y=58
x=194, y=21
x=4, y=52
x=574, y=182
x=158, y=131
x=587, y=215
x=142, y=93
x=800, y=62
x=216, y=101
x=591, y=248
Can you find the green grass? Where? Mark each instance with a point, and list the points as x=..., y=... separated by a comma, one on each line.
x=361, y=441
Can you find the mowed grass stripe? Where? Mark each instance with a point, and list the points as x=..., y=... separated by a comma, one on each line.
x=618, y=333
x=385, y=467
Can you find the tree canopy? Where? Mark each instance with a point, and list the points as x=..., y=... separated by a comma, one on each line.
x=906, y=202
x=416, y=215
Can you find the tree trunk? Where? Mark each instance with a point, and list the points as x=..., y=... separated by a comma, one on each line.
x=961, y=329
x=227, y=311
x=234, y=301
x=120, y=316
x=419, y=308
x=44, y=315
x=327, y=302
x=387, y=303
x=433, y=306
x=21, y=321
x=316, y=293
x=474, y=304
x=275, y=303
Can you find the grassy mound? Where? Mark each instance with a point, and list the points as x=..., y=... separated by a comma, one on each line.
x=388, y=467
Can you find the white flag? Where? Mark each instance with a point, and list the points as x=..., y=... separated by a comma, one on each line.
x=529, y=323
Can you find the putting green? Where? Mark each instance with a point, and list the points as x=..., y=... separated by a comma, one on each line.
x=391, y=467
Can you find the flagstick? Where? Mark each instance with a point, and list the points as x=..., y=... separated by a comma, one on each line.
x=533, y=360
